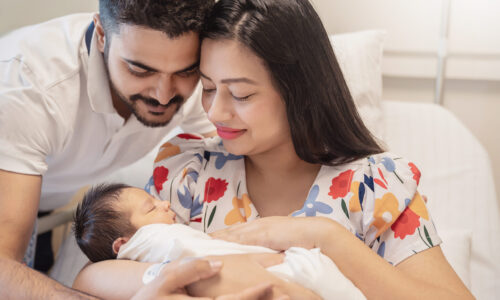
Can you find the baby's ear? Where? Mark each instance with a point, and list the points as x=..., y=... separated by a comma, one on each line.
x=118, y=243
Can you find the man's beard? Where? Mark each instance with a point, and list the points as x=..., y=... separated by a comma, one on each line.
x=177, y=100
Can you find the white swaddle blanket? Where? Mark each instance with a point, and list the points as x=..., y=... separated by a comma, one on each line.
x=310, y=268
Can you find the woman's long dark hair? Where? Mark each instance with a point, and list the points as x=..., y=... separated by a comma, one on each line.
x=291, y=40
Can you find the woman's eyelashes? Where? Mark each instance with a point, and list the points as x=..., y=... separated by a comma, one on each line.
x=244, y=98
x=209, y=91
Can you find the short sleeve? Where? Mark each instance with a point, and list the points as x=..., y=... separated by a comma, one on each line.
x=393, y=219
x=175, y=174
x=195, y=119
x=30, y=126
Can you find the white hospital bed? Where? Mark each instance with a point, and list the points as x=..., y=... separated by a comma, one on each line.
x=456, y=171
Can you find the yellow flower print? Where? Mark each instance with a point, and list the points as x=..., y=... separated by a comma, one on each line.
x=167, y=150
x=417, y=205
x=235, y=215
x=386, y=212
x=354, y=203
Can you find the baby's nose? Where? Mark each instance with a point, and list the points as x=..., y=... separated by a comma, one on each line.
x=166, y=205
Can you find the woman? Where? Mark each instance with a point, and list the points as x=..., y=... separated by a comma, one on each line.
x=293, y=145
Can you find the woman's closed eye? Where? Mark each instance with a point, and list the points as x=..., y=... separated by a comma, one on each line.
x=243, y=98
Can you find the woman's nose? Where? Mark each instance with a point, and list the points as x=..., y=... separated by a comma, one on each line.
x=219, y=109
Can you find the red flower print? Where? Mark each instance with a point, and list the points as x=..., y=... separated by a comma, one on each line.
x=214, y=189
x=406, y=224
x=341, y=184
x=188, y=136
x=415, y=171
x=160, y=175
x=379, y=182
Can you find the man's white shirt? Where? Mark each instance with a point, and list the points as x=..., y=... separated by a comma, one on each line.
x=56, y=113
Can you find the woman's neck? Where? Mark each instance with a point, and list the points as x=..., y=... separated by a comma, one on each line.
x=278, y=183
x=280, y=164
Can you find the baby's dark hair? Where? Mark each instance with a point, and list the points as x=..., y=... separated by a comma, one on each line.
x=98, y=221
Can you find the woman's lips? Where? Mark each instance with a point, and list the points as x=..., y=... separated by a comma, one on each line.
x=229, y=133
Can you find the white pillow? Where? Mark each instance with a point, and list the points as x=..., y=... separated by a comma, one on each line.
x=456, y=248
x=360, y=57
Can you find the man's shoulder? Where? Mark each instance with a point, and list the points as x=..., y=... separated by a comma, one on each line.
x=49, y=51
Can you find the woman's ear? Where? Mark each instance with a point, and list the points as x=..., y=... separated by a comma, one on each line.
x=99, y=30
x=118, y=243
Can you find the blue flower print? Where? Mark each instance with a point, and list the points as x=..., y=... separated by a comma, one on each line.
x=388, y=164
x=199, y=157
x=369, y=182
x=196, y=208
x=222, y=158
x=185, y=199
x=381, y=250
x=149, y=185
x=311, y=206
x=371, y=159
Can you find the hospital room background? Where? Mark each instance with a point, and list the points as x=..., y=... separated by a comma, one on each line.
x=426, y=77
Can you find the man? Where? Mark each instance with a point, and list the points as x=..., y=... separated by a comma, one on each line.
x=80, y=98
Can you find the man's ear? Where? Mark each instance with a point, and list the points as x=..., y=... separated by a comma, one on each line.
x=118, y=243
x=99, y=30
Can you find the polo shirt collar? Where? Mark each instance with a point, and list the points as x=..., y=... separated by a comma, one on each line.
x=97, y=81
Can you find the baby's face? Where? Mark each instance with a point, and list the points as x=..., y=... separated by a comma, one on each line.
x=145, y=209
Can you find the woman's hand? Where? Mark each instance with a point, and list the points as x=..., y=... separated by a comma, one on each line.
x=280, y=233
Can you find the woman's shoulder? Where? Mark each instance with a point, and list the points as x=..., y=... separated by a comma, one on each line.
x=188, y=144
x=385, y=171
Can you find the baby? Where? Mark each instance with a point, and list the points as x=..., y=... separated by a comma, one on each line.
x=119, y=221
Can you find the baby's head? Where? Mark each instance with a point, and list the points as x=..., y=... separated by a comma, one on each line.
x=110, y=214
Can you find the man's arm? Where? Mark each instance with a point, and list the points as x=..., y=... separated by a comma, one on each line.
x=19, y=198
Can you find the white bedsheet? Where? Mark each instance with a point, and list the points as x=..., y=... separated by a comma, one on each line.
x=458, y=180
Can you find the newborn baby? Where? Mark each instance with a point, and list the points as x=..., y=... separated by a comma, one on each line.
x=118, y=221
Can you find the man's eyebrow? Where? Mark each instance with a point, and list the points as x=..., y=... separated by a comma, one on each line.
x=231, y=80
x=140, y=65
x=189, y=68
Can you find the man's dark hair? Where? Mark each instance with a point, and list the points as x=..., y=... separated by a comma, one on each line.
x=290, y=39
x=173, y=17
x=98, y=222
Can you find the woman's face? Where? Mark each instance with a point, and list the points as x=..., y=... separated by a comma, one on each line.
x=241, y=100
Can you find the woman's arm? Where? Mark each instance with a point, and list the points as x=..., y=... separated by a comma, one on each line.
x=425, y=275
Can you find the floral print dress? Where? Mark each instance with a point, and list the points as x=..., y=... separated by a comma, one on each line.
x=375, y=198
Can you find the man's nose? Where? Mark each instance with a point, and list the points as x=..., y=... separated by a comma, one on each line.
x=164, y=90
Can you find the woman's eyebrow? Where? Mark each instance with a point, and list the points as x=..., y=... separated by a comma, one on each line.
x=238, y=80
x=232, y=80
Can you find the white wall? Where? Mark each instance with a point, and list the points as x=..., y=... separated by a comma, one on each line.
x=17, y=13
x=471, y=87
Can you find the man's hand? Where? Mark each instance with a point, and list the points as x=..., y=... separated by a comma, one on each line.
x=176, y=276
